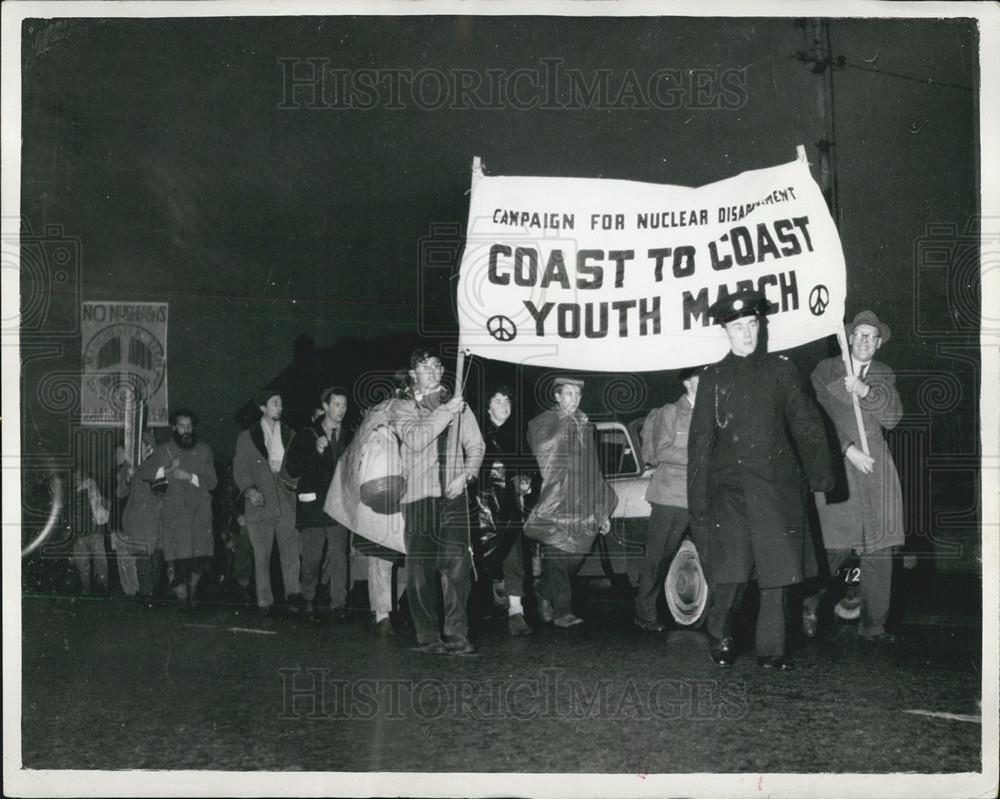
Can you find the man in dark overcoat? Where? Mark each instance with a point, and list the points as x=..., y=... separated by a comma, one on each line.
x=188, y=467
x=745, y=482
x=868, y=517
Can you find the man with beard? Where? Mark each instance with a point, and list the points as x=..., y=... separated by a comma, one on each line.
x=185, y=467
x=270, y=503
x=441, y=450
x=745, y=481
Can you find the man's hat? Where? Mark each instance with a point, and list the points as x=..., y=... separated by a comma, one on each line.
x=559, y=382
x=734, y=306
x=869, y=318
x=264, y=395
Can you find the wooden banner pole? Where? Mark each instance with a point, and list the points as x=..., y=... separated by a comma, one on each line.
x=845, y=352
x=846, y=355
x=477, y=173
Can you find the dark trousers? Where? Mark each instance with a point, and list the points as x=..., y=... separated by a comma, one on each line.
x=725, y=599
x=147, y=570
x=875, y=588
x=239, y=557
x=554, y=584
x=667, y=524
x=437, y=542
x=333, y=567
x=513, y=565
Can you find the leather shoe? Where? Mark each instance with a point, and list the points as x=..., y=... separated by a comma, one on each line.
x=432, y=648
x=568, y=620
x=383, y=629
x=810, y=624
x=516, y=625
x=650, y=626
x=721, y=652
x=340, y=614
x=459, y=645
x=776, y=663
x=545, y=610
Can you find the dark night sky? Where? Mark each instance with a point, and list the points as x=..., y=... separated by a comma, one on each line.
x=160, y=144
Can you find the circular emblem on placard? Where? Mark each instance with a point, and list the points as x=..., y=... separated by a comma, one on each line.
x=819, y=299
x=502, y=328
x=122, y=359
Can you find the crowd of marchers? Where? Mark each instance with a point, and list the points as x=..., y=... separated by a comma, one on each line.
x=730, y=460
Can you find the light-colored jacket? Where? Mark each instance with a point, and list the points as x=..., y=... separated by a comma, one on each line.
x=665, y=446
x=864, y=511
x=418, y=429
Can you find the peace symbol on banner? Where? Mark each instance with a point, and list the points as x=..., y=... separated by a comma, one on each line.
x=502, y=328
x=819, y=299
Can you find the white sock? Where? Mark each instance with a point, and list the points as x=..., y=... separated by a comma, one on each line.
x=515, y=606
x=380, y=616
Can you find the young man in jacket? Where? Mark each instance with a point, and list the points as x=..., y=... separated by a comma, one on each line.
x=665, y=446
x=312, y=459
x=441, y=450
x=270, y=503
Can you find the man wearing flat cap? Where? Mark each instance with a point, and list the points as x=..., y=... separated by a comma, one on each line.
x=270, y=502
x=745, y=483
x=574, y=503
x=866, y=514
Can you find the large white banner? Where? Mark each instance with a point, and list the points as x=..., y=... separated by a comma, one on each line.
x=618, y=276
x=124, y=355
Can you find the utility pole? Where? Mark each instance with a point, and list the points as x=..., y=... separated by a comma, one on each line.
x=819, y=54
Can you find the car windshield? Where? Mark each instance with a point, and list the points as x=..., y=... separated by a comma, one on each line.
x=616, y=454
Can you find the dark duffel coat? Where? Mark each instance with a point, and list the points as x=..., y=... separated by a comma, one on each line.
x=745, y=483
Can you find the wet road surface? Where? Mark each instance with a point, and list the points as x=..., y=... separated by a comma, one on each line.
x=114, y=684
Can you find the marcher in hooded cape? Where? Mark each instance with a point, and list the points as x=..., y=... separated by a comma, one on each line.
x=574, y=500
x=574, y=504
